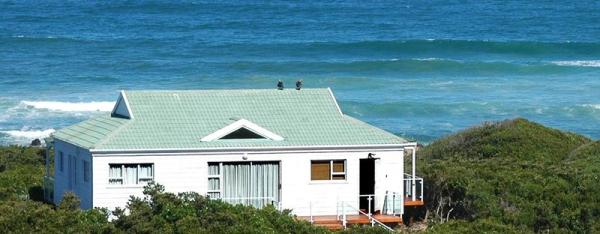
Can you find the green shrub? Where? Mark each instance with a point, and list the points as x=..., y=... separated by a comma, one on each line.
x=513, y=173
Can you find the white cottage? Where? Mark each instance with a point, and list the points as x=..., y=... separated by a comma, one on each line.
x=291, y=148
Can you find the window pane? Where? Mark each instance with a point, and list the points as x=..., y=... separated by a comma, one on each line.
x=319, y=170
x=338, y=166
x=115, y=171
x=214, y=195
x=86, y=171
x=213, y=184
x=339, y=177
x=146, y=171
x=130, y=174
x=213, y=169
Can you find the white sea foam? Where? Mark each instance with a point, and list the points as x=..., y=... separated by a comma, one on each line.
x=29, y=134
x=579, y=63
x=595, y=106
x=70, y=106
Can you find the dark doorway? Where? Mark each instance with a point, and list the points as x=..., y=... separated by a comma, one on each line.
x=367, y=183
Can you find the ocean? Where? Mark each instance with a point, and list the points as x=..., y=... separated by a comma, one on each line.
x=419, y=69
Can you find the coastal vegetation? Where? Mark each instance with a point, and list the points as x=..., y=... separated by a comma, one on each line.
x=22, y=209
x=512, y=176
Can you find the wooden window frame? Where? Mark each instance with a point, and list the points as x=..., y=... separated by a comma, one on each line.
x=331, y=172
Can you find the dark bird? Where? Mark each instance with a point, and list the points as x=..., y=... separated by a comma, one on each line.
x=298, y=84
x=280, y=85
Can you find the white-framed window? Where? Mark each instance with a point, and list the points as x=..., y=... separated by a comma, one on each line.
x=61, y=161
x=86, y=171
x=130, y=174
x=328, y=169
x=214, y=180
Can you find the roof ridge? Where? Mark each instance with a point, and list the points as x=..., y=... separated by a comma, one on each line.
x=220, y=90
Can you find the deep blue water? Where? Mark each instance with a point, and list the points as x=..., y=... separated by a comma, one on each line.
x=421, y=69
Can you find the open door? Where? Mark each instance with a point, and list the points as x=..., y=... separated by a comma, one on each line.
x=367, y=184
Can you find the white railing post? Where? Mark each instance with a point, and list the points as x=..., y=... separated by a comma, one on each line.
x=344, y=220
x=414, y=173
x=422, y=185
x=369, y=199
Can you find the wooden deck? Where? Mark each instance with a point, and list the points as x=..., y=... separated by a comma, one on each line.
x=409, y=202
x=332, y=223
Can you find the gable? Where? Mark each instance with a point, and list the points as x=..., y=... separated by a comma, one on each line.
x=121, y=108
x=242, y=129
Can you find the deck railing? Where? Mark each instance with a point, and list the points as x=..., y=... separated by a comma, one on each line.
x=346, y=209
x=413, y=191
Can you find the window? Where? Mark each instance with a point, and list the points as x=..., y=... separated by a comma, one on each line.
x=73, y=169
x=61, y=161
x=214, y=180
x=130, y=174
x=86, y=171
x=328, y=170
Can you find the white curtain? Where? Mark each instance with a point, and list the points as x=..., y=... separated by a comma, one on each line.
x=213, y=169
x=115, y=172
x=254, y=184
x=145, y=173
x=130, y=174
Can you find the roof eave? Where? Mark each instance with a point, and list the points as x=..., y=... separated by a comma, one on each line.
x=257, y=149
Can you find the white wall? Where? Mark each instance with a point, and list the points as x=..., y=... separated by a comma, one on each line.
x=188, y=172
x=80, y=187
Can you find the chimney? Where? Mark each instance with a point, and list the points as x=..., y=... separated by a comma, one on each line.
x=280, y=85
x=298, y=84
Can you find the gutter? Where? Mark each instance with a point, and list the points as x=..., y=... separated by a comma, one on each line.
x=257, y=149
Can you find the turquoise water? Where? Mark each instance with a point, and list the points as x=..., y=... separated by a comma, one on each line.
x=420, y=69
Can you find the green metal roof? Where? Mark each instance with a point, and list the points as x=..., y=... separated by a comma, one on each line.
x=179, y=119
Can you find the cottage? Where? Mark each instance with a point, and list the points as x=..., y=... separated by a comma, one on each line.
x=294, y=149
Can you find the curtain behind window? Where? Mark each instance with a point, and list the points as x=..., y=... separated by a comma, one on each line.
x=130, y=174
x=115, y=172
x=256, y=184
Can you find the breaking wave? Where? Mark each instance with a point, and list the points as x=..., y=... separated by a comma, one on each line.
x=70, y=106
x=594, y=106
x=29, y=134
x=579, y=63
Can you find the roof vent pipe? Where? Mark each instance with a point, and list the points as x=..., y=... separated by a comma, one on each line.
x=280, y=85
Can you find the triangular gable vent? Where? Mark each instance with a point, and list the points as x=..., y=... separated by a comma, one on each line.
x=243, y=133
x=242, y=129
x=121, y=108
